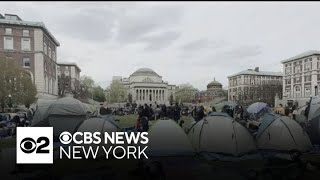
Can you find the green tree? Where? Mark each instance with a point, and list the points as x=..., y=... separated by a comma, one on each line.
x=16, y=85
x=185, y=93
x=27, y=90
x=98, y=94
x=117, y=92
x=86, y=84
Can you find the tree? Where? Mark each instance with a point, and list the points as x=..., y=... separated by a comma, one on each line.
x=16, y=85
x=185, y=93
x=117, y=92
x=130, y=98
x=86, y=84
x=27, y=91
x=63, y=85
x=98, y=94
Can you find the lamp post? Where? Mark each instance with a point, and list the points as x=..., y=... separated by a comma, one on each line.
x=10, y=101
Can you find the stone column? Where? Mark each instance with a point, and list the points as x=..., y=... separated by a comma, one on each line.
x=144, y=94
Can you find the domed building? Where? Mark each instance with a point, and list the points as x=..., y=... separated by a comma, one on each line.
x=146, y=86
x=214, y=85
x=214, y=91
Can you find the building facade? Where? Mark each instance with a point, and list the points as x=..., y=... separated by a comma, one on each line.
x=68, y=77
x=253, y=85
x=146, y=86
x=301, y=78
x=214, y=92
x=34, y=48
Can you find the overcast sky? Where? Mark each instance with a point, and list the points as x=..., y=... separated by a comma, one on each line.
x=188, y=42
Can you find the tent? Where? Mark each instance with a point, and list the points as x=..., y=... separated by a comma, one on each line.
x=97, y=124
x=314, y=120
x=64, y=114
x=166, y=138
x=219, y=133
x=314, y=110
x=280, y=133
x=258, y=109
x=40, y=111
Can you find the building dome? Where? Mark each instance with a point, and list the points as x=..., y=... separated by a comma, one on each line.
x=214, y=84
x=144, y=72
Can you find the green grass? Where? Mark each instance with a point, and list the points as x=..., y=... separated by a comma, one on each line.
x=127, y=121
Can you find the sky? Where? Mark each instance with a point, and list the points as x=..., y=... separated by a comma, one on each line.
x=184, y=42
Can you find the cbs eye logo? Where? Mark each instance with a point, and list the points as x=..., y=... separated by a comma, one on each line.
x=29, y=145
x=34, y=145
x=65, y=137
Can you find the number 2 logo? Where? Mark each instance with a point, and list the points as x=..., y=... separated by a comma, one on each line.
x=29, y=145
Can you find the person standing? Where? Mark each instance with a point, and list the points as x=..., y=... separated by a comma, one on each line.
x=176, y=112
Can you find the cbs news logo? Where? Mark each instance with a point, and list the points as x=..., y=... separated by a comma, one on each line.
x=34, y=145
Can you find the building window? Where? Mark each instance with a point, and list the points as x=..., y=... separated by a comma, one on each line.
x=8, y=31
x=25, y=44
x=307, y=92
x=45, y=48
x=26, y=62
x=8, y=42
x=288, y=93
x=66, y=73
x=297, y=69
x=307, y=66
x=307, y=78
x=25, y=32
x=288, y=70
x=53, y=55
x=297, y=91
x=49, y=52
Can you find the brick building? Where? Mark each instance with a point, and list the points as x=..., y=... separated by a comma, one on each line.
x=33, y=47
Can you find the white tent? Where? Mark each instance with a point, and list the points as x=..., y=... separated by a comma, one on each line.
x=219, y=133
x=280, y=133
x=166, y=138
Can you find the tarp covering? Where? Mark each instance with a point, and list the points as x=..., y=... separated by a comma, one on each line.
x=258, y=109
x=255, y=108
x=221, y=134
x=166, y=138
x=280, y=133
